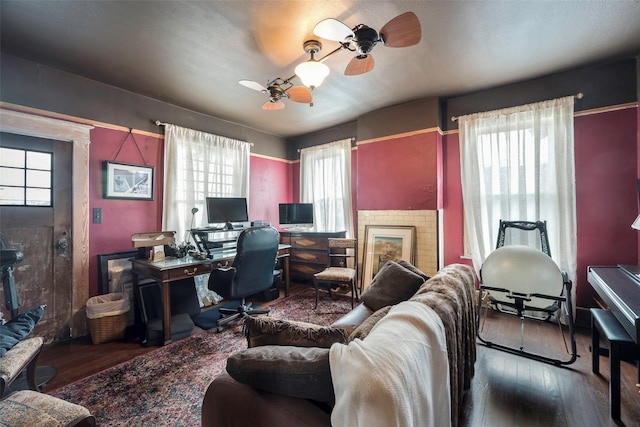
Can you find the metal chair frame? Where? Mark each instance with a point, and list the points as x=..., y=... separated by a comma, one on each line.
x=519, y=305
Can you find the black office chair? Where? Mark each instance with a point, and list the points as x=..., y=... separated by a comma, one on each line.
x=250, y=273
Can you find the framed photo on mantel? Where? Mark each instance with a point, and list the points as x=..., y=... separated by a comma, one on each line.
x=386, y=243
x=127, y=181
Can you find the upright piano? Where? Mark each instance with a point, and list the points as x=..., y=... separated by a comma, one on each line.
x=619, y=288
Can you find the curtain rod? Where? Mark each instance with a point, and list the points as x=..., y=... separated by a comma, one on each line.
x=578, y=95
x=159, y=123
x=353, y=140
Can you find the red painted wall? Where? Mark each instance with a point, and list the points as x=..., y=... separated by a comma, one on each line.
x=295, y=182
x=606, y=195
x=453, y=214
x=402, y=173
x=399, y=173
x=120, y=218
x=270, y=184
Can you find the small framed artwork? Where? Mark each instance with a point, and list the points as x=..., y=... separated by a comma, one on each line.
x=127, y=181
x=386, y=243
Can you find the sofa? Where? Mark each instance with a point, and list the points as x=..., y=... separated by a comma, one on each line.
x=404, y=356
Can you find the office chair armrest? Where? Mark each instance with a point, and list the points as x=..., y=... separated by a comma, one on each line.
x=223, y=274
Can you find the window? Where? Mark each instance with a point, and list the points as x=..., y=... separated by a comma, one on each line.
x=25, y=178
x=211, y=176
x=325, y=180
x=518, y=164
x=200, y=165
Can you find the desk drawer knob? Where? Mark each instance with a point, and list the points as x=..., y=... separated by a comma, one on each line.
x=190, y=273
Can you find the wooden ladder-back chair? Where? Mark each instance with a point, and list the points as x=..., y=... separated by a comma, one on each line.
x=524, y=281
x=339, y=273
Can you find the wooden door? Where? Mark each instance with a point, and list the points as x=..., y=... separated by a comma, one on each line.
x=40, y=228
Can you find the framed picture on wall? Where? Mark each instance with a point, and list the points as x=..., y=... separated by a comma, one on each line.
x=386, y=243
x=127, y=181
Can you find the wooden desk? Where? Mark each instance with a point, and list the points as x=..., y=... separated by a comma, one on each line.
x=309, y=251
x=171, y=269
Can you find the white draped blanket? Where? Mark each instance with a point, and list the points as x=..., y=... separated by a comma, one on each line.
x=397, y=376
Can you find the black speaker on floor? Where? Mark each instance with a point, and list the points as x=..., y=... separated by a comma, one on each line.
x=184, y=304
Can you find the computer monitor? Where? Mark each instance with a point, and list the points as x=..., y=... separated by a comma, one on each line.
x=226, y=210
x=296, y=215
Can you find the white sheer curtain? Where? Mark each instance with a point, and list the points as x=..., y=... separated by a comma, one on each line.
x=325, y=181
x=198, y=165
x=518, y=164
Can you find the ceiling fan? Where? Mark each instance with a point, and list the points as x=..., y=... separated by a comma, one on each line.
x=278, y=89
x=402, y=31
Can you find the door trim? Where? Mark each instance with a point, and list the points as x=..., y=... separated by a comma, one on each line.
x=80, y=136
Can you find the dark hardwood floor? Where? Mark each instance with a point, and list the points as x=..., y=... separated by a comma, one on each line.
x=507, y=390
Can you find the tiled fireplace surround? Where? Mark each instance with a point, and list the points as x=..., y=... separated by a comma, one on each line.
x=427, y=233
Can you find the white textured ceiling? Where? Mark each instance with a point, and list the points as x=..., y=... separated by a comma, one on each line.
x=192, y=53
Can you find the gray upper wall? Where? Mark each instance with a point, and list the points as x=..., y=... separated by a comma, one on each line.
x=33, y=85
x=394, y=120
x=29, y=84
x=606, y=84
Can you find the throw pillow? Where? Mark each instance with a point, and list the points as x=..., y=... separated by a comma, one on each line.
x=266, y=330
x=392, y=284
x=17, y=329
x=287, y=370
x=409, y=266
x=365, y=327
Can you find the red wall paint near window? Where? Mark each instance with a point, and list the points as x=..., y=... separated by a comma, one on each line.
x=398, y=173
x=606, y=194
x=270, y=184
x=120, y=218
x=453, y=214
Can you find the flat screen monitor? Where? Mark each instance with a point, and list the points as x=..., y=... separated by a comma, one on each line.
x=296, y=215
x=225, y=210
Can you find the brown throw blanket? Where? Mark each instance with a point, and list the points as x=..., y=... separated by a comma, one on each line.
x=451, y=294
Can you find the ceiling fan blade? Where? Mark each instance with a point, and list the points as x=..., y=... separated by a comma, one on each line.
x=299, y=94
x=253, y=85
x=269, y=105
x=332, y=29
x=402, y=31
x=359, y=65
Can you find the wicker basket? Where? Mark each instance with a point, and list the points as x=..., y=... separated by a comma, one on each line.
x=108, y=328
x=108, y=316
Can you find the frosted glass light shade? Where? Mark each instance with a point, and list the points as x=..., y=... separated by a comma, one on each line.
x=312, y=73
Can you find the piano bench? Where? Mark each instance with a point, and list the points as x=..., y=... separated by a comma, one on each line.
x=605, y=325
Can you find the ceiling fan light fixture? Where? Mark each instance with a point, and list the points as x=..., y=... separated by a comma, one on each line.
x=312, y=73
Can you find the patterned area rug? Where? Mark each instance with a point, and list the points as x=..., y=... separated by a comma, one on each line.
x=165, y=387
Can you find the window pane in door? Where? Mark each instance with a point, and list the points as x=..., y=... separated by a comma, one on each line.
x=37, y=160
x=25, y=177
x=12, y=177
x=37, y=178
x=38, y=197
x=11, y=196
x=12, y=158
